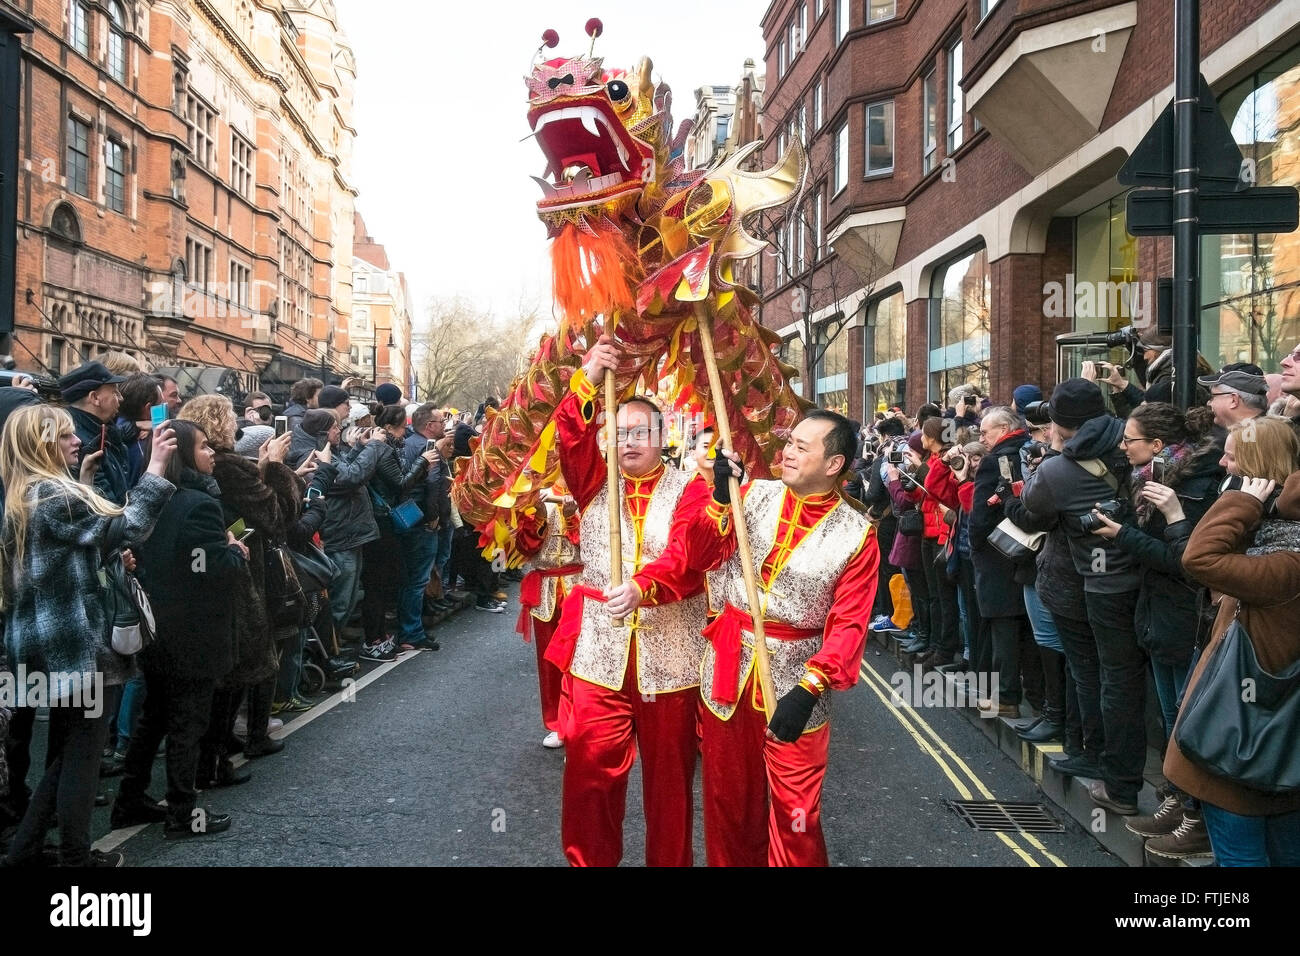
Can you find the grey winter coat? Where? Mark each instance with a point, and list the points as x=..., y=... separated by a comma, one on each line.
x=56, y=619
x=349, y=513
x=1064, y=487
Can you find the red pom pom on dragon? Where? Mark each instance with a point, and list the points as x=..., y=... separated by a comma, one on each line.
x=644, y=252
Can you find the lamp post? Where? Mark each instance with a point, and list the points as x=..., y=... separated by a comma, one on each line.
x=374, y=352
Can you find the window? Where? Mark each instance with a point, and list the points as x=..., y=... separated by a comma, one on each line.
x=801, y=28
x=821, y=7
x=885, y=353
x=198, y=263
x=817, y=105
x=801, y=244
x=202, y=126
x=360, y=283
x=781, y=52
x=818, y=234
x=986, y=6
x=81, y=28
x=115, y=180
x=116, y=41
x=56, y=355
x=241, y=165
x=959, y=323
x=1250, y=283
x=880, y=138
x=241, y=277
x=842, y=15
x=64, y=223
x=77, y=157
x=361, y=319
x=878, y=10
x=792, y=354
x=956, y=111
x=832, y=372
x=780, y=143
x=803, y=124
x=930, y=123
x=841, y=159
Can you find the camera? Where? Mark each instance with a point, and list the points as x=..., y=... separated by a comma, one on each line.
x=1125, y=338
x=896, y=457
x=1038, y=413
x=1112, y=509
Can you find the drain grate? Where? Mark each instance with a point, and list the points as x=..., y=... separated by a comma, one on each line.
x=993, y=815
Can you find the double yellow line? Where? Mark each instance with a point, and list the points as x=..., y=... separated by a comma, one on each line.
x=943, y=755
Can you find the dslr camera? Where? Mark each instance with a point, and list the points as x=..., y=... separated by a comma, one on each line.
x=1113, y=509
x=1038, y=413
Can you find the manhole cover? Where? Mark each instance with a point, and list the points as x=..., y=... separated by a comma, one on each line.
x=1014, y=817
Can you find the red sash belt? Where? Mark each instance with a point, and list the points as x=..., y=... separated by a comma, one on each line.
x=530, y=593
x=565, y=642
x=723, y=632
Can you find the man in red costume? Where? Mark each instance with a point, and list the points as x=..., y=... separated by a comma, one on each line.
x=553, y=571
x=631, y=687
x=816, y=561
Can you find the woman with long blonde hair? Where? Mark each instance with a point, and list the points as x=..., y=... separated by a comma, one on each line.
x=55, y=534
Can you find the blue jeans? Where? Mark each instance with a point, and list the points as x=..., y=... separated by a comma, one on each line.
x=291, y=653
x=1253, y=841
x=444, y=554
x=128, y=712
x=419, y=553
x=1040, y=618
x=345, y=587
x=1170, y=681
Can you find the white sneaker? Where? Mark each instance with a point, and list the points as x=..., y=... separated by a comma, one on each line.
x=274, y=724
x=553, y=741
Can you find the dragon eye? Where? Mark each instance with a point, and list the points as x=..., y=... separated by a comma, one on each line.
x=618, y=92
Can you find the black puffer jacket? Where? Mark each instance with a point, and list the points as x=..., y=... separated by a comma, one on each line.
x=996, y=587
x=1168, y=614
x=349, y=514
x=113, y=477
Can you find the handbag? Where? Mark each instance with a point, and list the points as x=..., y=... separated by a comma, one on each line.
x=911, y=523
x=404, y=516
x=1239, y=722
x=285, y=599
x=1014, y=542
x=126, y=607
x=315, y=568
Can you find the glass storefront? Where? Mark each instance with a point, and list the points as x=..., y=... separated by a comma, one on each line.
x=960, y=297
x=1105, y=270
x=885, y=354
x=792, y=354
x=1250, y=284
x=832, y=372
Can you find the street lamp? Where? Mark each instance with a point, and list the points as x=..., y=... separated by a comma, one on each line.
x=374, y=350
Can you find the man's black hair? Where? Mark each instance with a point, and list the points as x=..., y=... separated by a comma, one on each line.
x=656, y=416
x=842, y=439
x=890, y=427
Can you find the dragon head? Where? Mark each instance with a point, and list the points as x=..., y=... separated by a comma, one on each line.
x=604, y=134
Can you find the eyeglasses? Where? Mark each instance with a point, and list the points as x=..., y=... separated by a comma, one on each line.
x=1294, y=355
x=640, y=435
x=1128, y=441
x=1214, y=395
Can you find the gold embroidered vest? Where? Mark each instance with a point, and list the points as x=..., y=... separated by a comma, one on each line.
x=556, y=552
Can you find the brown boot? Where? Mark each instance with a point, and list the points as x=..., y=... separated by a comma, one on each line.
x=1188, y=841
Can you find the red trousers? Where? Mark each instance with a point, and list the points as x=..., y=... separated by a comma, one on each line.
x=602, y=734
x=549, y=677
x=762, y=798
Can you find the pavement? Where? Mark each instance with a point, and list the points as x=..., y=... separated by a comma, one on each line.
x=436, y=759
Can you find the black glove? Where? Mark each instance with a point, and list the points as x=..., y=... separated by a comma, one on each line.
x=722, y=478
x=792, y=713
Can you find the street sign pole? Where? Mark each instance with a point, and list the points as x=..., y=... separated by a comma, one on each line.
x=1186, y=183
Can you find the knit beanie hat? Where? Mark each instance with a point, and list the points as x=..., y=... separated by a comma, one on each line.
x=331, y=396
x=914, y=443
x=1075, y=401
x=388, y=394
x=1026, y=395
x=252, y=438
x=317, y=421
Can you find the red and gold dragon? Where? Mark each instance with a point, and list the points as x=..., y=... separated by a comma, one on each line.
x=637, y=243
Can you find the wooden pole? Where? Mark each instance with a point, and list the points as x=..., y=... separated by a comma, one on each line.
x=615, y=492
x=705, y=323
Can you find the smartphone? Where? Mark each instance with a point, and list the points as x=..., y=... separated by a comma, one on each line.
x=238, y=528
x=313, y=493
x=248, y=533
x=1158, y=470
x=103, y=436
x=281, y=425
x=157, y=415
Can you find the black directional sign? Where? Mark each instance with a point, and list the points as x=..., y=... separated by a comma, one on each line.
x=1227, y=200
x=1262, y=209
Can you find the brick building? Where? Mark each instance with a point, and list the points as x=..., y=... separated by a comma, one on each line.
x=381, y=314
x=962, y=208
x=184, y=191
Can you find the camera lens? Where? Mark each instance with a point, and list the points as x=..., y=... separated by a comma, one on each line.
x=1038, y=413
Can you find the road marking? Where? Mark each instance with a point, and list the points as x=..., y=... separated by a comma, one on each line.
x=926, y=747
x=877, y=680
x=115, y=838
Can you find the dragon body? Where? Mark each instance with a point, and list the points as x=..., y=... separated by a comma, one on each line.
x=640, y=247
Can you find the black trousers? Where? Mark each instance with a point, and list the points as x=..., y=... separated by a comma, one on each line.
x=977, y=628
x=179, y=709
x=920, y=594
x=66, y=793
x=380, y=575
x=884, y=603
x=1016, y=662
x=945, y=616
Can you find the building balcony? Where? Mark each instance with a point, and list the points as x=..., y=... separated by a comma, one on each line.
x=868, y=241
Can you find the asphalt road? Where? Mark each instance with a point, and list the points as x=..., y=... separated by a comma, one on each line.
x=437, y=760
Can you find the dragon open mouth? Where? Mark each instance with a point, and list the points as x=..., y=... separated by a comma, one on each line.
x=591, y=157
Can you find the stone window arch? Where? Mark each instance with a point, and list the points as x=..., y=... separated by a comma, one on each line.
x=118, y=27
x=64, y=223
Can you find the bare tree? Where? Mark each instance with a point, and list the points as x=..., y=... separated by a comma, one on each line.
x=816, y=278
x=471, y=353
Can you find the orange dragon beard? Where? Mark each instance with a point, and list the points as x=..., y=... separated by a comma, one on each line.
x=588, y=271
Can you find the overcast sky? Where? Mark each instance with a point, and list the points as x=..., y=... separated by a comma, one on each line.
x=440, y=111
